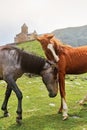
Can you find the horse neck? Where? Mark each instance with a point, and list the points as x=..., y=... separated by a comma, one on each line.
x=63, y=49
x=31, y=63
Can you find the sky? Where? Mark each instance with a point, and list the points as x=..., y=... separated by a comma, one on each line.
x=44, y=16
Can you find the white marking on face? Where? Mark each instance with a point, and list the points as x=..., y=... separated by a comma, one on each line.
x=51, y=48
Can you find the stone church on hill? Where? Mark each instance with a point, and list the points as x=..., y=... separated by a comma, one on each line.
x=24, y=36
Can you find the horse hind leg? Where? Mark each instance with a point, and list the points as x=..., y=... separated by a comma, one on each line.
x=5, y=102
x=81, y=102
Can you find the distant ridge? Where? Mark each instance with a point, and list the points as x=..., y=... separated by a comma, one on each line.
x=74, y=36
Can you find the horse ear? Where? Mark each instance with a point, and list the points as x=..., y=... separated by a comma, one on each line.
x=49, y=36
x=38, y=38
x=52, y=63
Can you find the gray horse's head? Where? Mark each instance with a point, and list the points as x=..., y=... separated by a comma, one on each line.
x=50, y=78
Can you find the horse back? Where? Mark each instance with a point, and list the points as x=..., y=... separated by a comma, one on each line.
x=9, y=61
x=75, y=60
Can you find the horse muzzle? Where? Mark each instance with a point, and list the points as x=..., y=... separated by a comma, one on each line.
x=52, y=95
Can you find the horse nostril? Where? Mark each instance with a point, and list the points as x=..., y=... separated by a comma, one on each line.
x=52, y=95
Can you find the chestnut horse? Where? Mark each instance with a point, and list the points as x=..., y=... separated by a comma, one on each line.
x=15, y=62
x=70, y=60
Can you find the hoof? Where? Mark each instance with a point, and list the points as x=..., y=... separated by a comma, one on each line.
x=81, y=102
x=6, y=114
x=65, y=118
x=59, y=112
x=19, y=121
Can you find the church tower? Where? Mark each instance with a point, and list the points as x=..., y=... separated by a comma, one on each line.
x=24, y=29
x=23, y=36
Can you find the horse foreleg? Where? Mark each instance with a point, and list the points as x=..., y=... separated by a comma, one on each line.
x=18, y=93
x=63, y=108
x=5, y=102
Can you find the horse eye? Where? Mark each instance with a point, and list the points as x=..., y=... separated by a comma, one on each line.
x=55, y=76
x=55, y=71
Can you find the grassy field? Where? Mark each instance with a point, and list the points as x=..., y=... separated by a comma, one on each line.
x=40, y=111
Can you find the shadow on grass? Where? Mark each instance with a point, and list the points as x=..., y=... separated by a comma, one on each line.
x=48, y=122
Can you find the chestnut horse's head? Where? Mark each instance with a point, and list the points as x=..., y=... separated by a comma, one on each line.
x=45, y=39
x=50, y=45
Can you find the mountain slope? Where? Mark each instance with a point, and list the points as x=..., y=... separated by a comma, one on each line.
x=75, y=36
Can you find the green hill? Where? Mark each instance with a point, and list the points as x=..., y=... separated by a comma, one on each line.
x=32, y=47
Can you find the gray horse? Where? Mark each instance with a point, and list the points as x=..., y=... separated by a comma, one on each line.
x=14, y=63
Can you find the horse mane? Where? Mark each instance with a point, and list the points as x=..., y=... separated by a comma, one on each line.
x=60, y=47
x=29, y=62
x=59, y=42
x=32, y=63
x=56, y=41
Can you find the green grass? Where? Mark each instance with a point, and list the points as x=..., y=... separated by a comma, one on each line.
x=33, y=47
x=40, y=111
